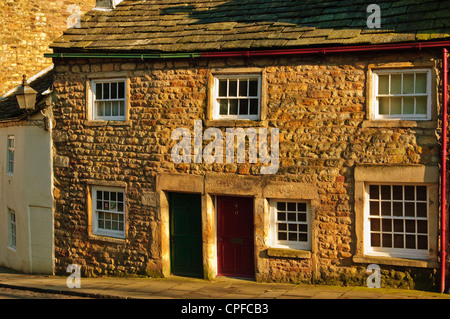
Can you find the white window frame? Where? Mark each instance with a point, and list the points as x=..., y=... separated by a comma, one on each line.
x=412, y=253
x=300, y=245
x=94, y=115
x=375, y=95
x=96, y=229
x=12, y=229
x=10, y=154
x=216, y=104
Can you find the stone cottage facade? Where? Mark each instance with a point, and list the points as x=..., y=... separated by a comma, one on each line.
x=152, y=111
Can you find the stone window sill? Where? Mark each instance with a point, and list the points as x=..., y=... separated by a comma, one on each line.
x=108, y=123
x=288, y=253
x=395, y=261
x=235, y=123
x=398, y=123
x=107, y=239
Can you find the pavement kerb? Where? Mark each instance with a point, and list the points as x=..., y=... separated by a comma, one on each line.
x=71, y=292
x=135, y=288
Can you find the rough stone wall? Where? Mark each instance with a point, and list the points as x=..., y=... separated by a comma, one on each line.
x=317, y=102
x=27, y=29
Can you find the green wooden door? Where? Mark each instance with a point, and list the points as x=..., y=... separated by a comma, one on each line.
x=186, y=251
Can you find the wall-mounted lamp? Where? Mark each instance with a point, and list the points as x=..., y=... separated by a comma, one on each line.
x=26, y=95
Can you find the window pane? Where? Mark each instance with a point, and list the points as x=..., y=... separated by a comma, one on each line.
x=223, y=107
x=410, y=241
x=233, y=107
x=383, y=105
x=107, y=108
x=115, y=108
x=374, y=191
x=243, y=107
x=409, y=209
x=410, y=226
x=398, y=225
x=302, y=237
x=121, y=108
x=386, y=208
x=385, y=192
x=243, y=87
x=293, y=236
x=114, y=90
x=397, y=192
x=408, y=83
x=301, y=207
x=302, y=217
x=303, y=228
x=100, y=108
x=421, y=209
x=386, y=225
x=374, y=208
x=422, y=242
x=222, y=87
x=281, y=205
x=292, y=217
x=105, y=91
x=396, y=105
x=422, y=226
x=408, y=105
x=253, y=88
x=232, y=89
x=398, y=241
x=292, y=207
x=421, y=193
x=121, y=88
x=282, y=226
x=281, y=216
x=375, y=240
x=387, y=240
x=421, y=104
x=397, y=209
x=409, y=192
x=253, y=106
x=383, y=84
x=421, y=83
x=282, y=236
x=375, y=224
x=396, y=83
x=98, y=91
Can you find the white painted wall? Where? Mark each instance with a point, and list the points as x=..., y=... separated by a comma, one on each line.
x=29, y=193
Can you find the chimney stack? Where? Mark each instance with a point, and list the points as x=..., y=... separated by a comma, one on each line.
x=106, y=4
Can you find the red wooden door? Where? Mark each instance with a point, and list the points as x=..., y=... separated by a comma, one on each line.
x=235, y=237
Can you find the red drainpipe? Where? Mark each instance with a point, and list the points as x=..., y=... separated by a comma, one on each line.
x=444, y=167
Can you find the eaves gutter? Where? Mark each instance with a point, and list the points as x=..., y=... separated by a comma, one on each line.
x=255, y=53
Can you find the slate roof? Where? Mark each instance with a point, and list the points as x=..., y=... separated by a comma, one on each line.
x=211, y=25
x=9, y=108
